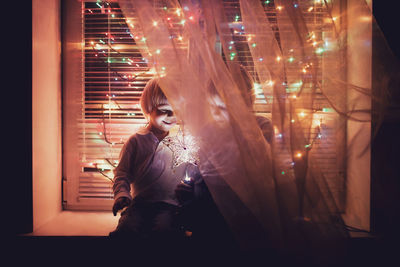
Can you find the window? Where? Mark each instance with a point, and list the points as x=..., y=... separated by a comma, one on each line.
x=104, y=75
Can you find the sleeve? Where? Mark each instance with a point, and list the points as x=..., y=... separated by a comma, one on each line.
x=123, y=173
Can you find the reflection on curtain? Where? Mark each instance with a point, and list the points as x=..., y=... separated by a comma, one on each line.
x=271, y=194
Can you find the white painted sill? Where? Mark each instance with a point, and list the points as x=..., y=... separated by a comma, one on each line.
x=79, y=223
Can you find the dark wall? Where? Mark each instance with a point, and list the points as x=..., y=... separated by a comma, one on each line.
x=385, y=157
x=17, y=122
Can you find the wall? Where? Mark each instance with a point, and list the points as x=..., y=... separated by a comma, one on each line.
x=46, y=110
x=359, y=56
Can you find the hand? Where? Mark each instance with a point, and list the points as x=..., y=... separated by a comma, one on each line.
x=120, y=203
x=184, y=192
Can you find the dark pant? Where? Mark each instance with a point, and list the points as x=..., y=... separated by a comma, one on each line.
x=145, y=221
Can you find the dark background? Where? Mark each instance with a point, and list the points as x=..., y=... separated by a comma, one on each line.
x=17, y=122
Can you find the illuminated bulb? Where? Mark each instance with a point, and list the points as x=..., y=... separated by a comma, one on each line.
x=178, y=12
x=292, y=121
x=183, y=22
x=304, y=70
x=92, y=43
x=299, y=155
x=314, y=43
x=270, y=83
x=302, y=114
x=143, y=39
x=283, y=173
x=187, y=178
x=260, y=59
x=180, y=38
x=334, y=18
x=291, y=59
x=278, y=58
x=254, y=45
x=191, y=18
x=310, y=9
x=158, y=51
x=249, y=38
x=279, y=8
x=230, y=47
x=155, y=23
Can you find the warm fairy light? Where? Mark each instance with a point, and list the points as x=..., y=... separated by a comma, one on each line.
x=279, y=8
x=254, y=45
x=180, y=38
x=334, y=18
x=178, y=12
x=319, y=50
x=270, y=83
x=158, y=51
x=291, y=59
x=183, y=22
x=302, y=114
x=191, y=18
x=304, y=70
x=314, y=43
x=278, y=58
x=249, y=39
x=310, y=9
x=292, y=121
x=299, y=155
x=155, y=23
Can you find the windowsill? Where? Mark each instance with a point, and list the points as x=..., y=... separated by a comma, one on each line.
x=79, y=223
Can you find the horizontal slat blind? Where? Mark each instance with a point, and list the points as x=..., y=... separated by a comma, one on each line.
x=115, y=73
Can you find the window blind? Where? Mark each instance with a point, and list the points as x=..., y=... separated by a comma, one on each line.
x=105, y=76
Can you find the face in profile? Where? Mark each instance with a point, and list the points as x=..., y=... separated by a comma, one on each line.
x=163, y=118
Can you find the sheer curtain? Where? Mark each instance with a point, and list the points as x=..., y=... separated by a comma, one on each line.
x=271, y=194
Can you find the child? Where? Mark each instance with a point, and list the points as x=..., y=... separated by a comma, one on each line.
x=147, y=165
x=199, y=210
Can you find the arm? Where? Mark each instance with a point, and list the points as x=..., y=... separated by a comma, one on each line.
x=123, y=177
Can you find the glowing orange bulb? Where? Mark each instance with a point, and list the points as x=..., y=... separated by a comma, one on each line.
x=299, y=155
x=279, y=8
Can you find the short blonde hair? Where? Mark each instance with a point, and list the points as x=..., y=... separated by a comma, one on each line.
x=152, y=96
